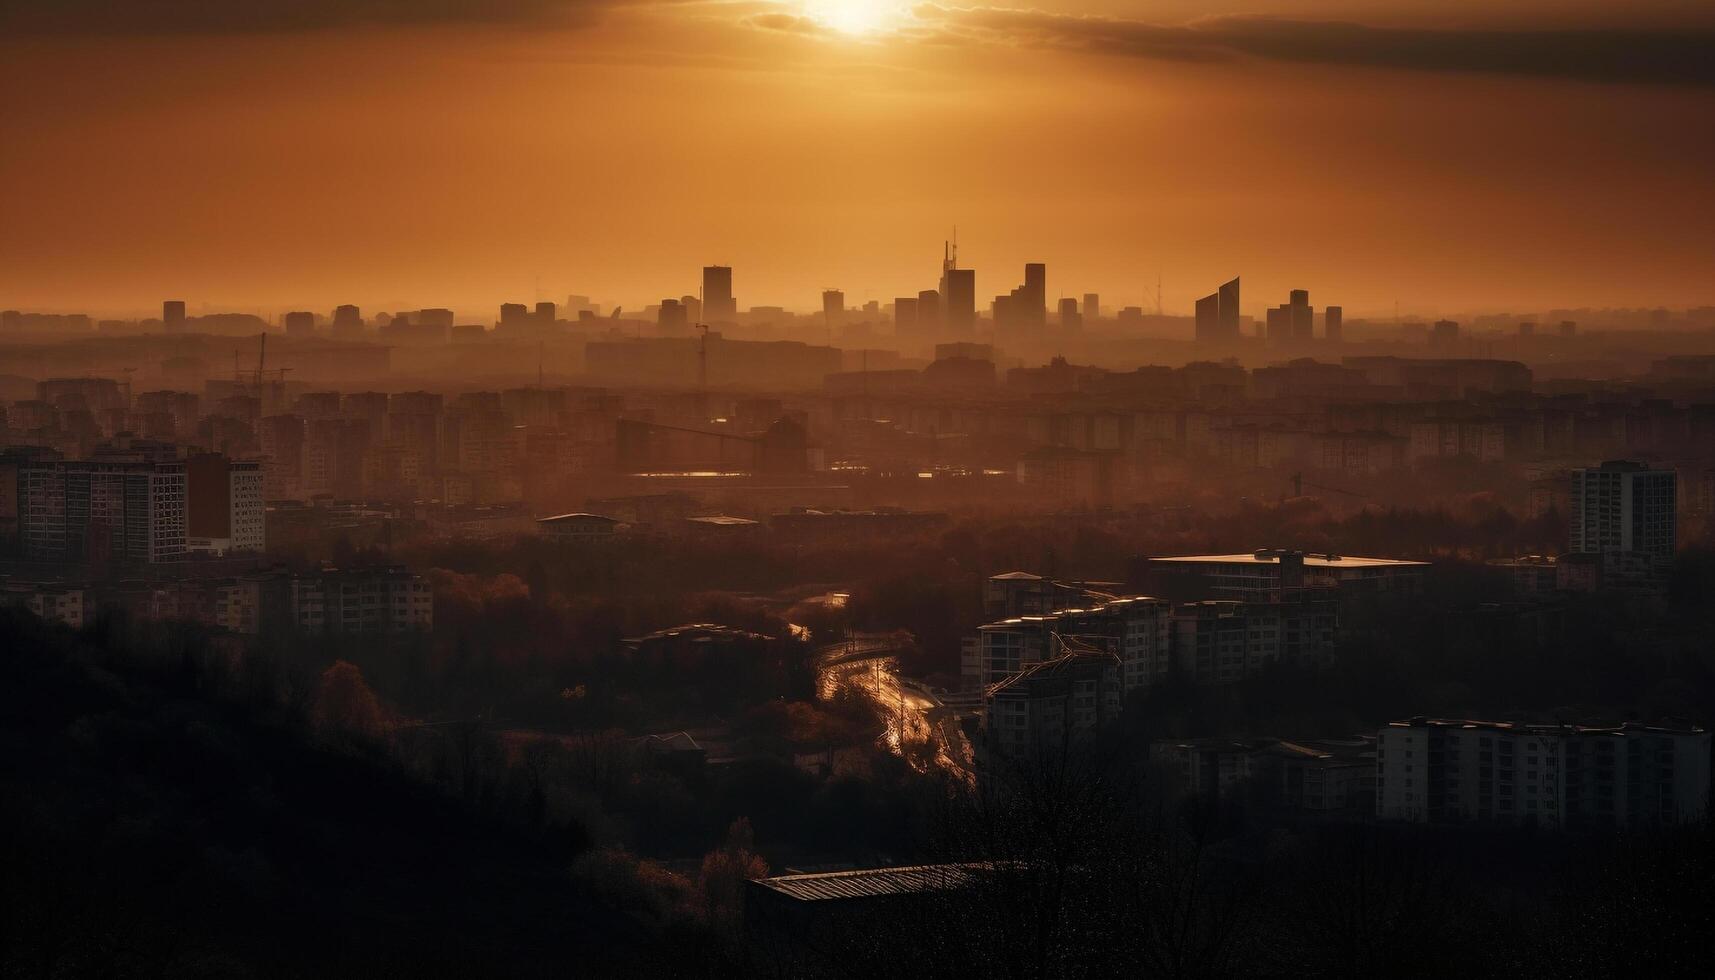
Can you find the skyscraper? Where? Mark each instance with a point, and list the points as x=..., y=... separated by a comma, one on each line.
x=929, y=311
x=1209, y=318
x=1334, y=324
x=1070, y=319
x=833, y=307
x=1303, y=316
x=1092, y=307
x=1230, y=310
x=545, y=314
x=904, y=316
x=1035, y=295
x=1218, y=314
x=959, y=297
x=173, y=315
x=718, y=301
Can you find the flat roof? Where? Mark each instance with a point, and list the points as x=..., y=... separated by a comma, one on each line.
x=873, y=883
x=1310, y=561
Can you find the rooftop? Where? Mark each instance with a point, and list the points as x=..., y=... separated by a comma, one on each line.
x=873, y=883
x=1310, y=561
x=1625, y=728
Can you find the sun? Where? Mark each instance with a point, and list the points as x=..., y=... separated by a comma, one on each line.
x=854, y=17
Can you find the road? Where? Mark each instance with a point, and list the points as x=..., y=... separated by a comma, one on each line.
x=914, y=716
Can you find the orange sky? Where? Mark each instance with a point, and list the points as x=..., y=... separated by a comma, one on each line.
x=439, y=160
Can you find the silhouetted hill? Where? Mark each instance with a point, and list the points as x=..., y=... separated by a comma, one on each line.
x=149, y=831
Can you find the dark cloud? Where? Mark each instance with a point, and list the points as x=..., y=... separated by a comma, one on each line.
x=128, y=17
x=1683, y=57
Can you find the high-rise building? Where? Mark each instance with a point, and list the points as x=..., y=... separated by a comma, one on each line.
x=545, y=314
x=1070, y=318
x=300, y=324
x=672, y=316
x=1551, y=776
x=514, y=315
x=1280, y=324
x=1230, y=309
x=1334, y=324
x=1445, y=333
x=1218, y=314
x=718, y=302
x=1303, y=316
x=929, y=311
x=1053, y=703
x=1092, y=307
x=173, y=316
x=1209, y=318
x=224, y=505
x=904, y=315
x=1627, y=513
x=833, y=307
x=693, y=308
x=129, y=510
x=347, y=321
x=1035, y=294
x=959, y=298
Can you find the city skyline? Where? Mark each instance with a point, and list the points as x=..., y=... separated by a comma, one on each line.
x=485, y=151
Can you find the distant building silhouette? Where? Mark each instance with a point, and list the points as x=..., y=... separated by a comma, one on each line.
x=904, y=315
x=1334, y=324
x=1218, y=314
x=1070, y=318
x=545, y=314
x=300, y=324
x=1092, y=307
x=347, y=321
x=833, y=307
x=672, y=316
x=929, y=311
x=959, y=298
x=1303, y=316
x=173, y=316
x=718, y=301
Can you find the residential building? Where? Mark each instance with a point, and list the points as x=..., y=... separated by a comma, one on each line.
x=1553, y=776
x=1045, y=708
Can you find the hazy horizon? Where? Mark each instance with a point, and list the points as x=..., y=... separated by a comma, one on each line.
x=1446, y=157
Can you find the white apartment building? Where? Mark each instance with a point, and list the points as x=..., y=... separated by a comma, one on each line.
x=1552, y=776
x=1135, y=629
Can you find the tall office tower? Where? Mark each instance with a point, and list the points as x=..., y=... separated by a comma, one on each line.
x=347, y=321
x=1035, y=294
x=672, y=316
x=1092, y=307
x=904, y=316
x=300, y=324
x=1334, y=324
x=545, y=314
x=1209, y=319
x=1230, y=310
x=1070, y=319
x=959, y=300
x=929, y=319
x=693, y=308
x=1626, y=512
x=223, y=504
x=1303, y=316
x=718, y=301
x=1280, y=324
x=833, y=307
x=173, y=316
x=514, y=315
